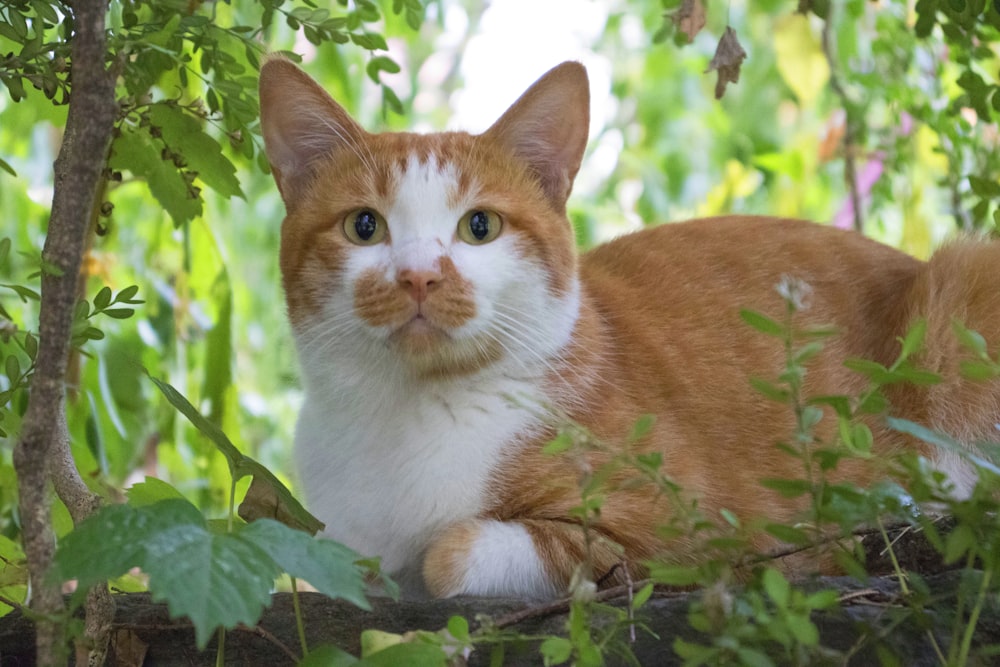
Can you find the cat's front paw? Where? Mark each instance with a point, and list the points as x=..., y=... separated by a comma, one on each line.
x=486, y=557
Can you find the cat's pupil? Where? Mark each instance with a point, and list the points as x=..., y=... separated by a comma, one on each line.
x=479, y=225
x=365, y=225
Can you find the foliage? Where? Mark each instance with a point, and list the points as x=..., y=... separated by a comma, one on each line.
x=908, y=98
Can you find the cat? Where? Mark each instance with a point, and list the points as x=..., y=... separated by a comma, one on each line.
x=445, y=324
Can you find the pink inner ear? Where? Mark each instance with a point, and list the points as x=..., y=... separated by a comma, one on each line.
x=547, y=128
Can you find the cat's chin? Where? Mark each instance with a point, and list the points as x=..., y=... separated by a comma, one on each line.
x=419, y=338
x=431, y=350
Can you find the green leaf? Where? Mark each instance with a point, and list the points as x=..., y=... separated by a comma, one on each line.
x=127, y=295
x=114, y=540
x=959, y=542
x=873, y=370
x=381, y=64
x=218, y=376
x=203, y=154
x=119, y=313
x=458, y=628
x=213, y=579
x=776, y=587
x=135, y=151
x=330, y=567
x=151, y=491
x=763, y=323
x=103, y=298
x=559, y=444
x=411, y=654
x=328, y=656
x=770, y=390
x=914, y=339
x=789, y=488
x=674, y=575
x=642, y=595
x=789, y=534
x=751, y=657
x=643, y=425
x=9, y=169
x=240, y=465
x=971, y=340
x=556, y=650
x=984, y=187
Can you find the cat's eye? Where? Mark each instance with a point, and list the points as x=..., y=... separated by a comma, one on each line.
x=479, y=227
x=364, y=227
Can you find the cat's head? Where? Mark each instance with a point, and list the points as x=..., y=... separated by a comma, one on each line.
x=449, y=251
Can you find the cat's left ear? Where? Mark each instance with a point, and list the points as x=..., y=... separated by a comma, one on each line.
x=547, y=128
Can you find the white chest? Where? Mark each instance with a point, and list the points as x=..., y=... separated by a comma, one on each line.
x=384, y=472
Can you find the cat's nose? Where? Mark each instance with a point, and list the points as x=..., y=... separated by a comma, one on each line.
x=418, y=282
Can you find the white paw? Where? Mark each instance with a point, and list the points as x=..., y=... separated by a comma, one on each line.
x=489, y=558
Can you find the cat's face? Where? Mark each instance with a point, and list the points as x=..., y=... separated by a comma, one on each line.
x=450, y=251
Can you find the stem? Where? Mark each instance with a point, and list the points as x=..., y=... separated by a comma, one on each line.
x=220, y=650
x=970, y=626
x=232, y=502
x=850, y=129
x=900, y=575
x=42, y=451
x=299, y=622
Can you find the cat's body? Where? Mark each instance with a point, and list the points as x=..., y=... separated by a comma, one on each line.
x=443, y=323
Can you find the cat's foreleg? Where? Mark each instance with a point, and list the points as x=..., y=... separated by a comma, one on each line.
x=532, y=558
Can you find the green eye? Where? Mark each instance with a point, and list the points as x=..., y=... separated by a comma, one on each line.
x=479, y=227
x=364, y=227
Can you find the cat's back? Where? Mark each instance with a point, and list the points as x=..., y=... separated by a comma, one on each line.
x=670, y=298
x=705, y=271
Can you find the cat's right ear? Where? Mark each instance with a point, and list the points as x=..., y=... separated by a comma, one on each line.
x=301, y=125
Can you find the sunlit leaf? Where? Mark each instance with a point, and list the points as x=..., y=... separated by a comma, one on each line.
x=800, y=58
x=240, y=465
x=203, y=154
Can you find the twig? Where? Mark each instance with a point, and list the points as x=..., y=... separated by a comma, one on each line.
x=13, y=604
x=850, y=170
x=77, y=173
x=562, y=605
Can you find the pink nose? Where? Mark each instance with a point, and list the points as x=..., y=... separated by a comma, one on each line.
x=418, y=283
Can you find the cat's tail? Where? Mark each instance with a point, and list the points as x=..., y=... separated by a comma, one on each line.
x=960, y=287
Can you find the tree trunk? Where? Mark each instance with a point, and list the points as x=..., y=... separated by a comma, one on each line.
x=42, y=452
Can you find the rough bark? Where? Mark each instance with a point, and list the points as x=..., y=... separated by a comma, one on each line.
x=42, y=451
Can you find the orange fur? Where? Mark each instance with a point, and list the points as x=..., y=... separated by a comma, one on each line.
x=658, y=330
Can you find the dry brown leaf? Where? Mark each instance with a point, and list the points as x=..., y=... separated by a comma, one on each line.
x=129, y=650
x=263, y=502
x=728, y=58
x=690, y=18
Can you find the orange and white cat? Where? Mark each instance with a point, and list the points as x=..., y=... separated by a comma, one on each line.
x=441, y=314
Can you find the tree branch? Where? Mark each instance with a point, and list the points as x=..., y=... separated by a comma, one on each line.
x=850, y=124
x=43, y=448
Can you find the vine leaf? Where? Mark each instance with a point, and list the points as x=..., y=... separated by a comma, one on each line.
x=330, y=567
x=282, y=504
x=728, y=59
x=213, y=579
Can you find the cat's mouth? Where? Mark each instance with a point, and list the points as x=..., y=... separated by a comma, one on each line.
x=419, y=336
